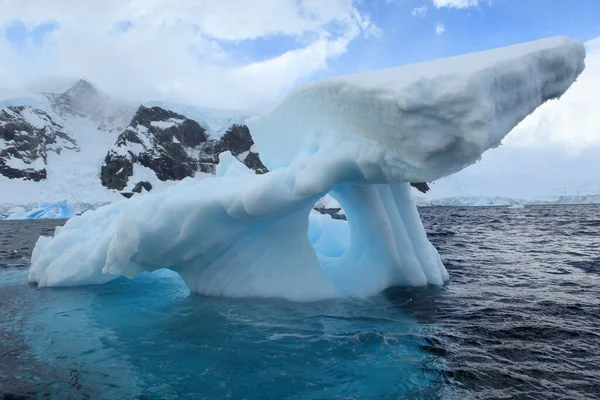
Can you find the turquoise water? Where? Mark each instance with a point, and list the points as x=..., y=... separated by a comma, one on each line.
x=150, y=338
x=519, y=319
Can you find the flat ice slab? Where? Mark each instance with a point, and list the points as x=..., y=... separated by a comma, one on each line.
x=359, y=138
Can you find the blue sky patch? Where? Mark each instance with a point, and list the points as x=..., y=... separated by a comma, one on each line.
x=18, y=35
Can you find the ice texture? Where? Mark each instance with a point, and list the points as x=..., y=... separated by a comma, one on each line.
x=360, y=139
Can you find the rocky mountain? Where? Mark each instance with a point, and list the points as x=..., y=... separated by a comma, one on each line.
x=173, y=147
x=27, y=135
x=86, y=144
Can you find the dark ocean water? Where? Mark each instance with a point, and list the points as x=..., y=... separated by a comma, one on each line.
x=520, y=318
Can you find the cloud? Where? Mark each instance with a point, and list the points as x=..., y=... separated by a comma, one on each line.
x=440, y=28
x=180, y=50
x=455, y=3
x=420, y=11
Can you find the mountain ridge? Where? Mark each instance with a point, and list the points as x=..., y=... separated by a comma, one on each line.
x=125, y=149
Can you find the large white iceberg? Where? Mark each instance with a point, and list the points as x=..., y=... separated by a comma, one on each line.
x=360, y=139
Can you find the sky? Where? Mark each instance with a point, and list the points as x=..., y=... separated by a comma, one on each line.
x=241, y=54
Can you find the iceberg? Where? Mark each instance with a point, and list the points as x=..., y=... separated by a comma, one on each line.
x=49, y=210
x=359, y=139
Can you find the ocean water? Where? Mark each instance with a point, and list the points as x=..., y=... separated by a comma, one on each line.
x=520, y=318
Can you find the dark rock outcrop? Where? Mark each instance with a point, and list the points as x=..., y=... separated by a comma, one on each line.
x=334, y=213
x=239, y=142
x=145, y=185
x=115, y=171
x=26, y=174
x=174, y=147
x=157, y=139
x=422, y=187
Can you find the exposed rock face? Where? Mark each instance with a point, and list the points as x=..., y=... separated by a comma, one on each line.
x=116, y=170
x=422, y=187
x=239, y=142
x=158, y=139
x=173, y=147
x=335, y=213
x=27, y=134
x=142, y=185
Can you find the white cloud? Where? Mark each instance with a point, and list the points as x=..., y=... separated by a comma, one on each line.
x=440, y=28
x=455, y=3
x=420, y=11
x=182, y=50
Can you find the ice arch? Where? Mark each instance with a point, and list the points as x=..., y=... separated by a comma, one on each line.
x=360, y=138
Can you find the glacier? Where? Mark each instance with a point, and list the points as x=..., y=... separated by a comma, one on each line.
x=486, y=201
x=359, y=139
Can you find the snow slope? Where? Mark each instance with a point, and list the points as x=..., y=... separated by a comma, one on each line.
x=359, y=138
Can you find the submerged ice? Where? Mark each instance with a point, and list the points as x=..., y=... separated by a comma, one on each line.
x=360, y=139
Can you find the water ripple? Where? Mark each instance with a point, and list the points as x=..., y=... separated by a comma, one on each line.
x=520, y=318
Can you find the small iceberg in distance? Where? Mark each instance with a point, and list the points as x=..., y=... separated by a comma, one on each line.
x=361, y=139
x=516, y=206
x=50, y=210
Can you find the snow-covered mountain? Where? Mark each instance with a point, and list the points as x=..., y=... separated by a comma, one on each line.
x=162, y=146
x=62, y=150
x=27, y=136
